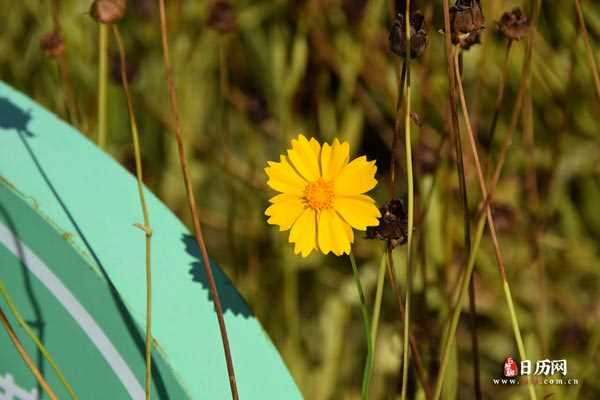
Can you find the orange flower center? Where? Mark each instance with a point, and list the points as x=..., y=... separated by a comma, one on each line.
x=319, y=194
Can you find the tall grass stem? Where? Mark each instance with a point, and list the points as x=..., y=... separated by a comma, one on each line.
x=192, y=202
x=146, y=226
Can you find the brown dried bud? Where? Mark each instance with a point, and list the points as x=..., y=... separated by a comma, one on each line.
x=52, y=45
x=108, y=11
x=505, y=217
x=354, y=10
x=222, y=17
x=514, y=24
x=392, y=224
x=466, y=22
x=418, y=35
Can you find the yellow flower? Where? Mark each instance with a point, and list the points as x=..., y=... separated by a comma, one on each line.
x=321, y=197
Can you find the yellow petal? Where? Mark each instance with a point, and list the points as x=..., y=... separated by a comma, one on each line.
x=285, y=210
x=334, y=158
x=316, y=147
x=283, y=178
x=325, y=236
x=305, y=159
x=334, y=234
x=359, y=211
x=304, y=233
x=356, y=178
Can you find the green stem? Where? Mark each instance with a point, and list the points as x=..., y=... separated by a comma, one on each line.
x=378, y=297
x=457, y=308
x=36, y=340
x=411, y=200
x=102, y=72
x=146, y=226
x=366, y=325
x=517, y=332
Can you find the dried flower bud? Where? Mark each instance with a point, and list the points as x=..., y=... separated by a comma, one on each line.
x=505, y=217
x=392, y=224
x=514, y=24
x=52, y=44
x=354, y=9
x=418, y=35
x=108, y=11
x=222, y=17
x=466, y=22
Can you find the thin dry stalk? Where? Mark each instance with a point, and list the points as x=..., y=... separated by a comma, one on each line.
x=490, y=219
x=192, y=202
x=23, y=353
x=455, y=133
x=588, y=47
x=523, y=86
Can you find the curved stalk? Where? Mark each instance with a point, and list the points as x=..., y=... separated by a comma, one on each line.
x=192, y=202
x=490, y=219
x=146, y=226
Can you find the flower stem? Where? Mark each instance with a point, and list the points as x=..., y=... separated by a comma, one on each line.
x=102, y=70
x=23, y=353
x=411, y=206
x=378, y=298
x=366, y=325
x=36, y=340
x=146, y=226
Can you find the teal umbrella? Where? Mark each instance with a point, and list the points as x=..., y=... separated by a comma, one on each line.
x=74, y=266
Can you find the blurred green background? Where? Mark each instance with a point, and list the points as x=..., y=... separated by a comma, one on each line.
x=322, y=67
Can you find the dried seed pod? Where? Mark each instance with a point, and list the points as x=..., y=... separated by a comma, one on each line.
x=108, y=11
x=222, y=17
x=52, y=45
x=466, y=22
x=514, y=25
x=354, y=9
x=392, y=224
x=505, y=217
x=418, y=35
